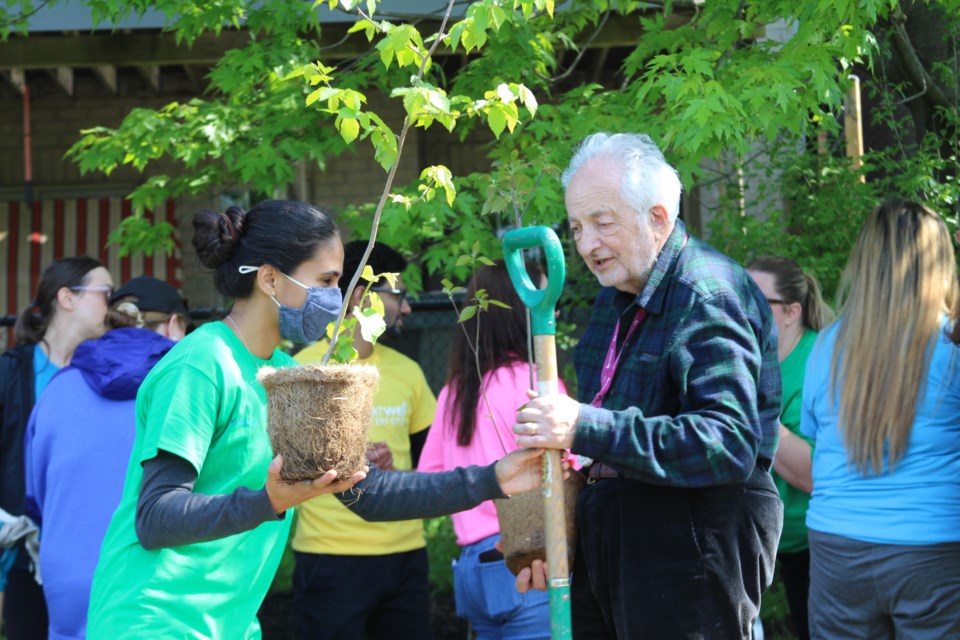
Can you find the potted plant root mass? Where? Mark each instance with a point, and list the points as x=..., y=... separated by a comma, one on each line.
x=522, y=528
x=318, y=417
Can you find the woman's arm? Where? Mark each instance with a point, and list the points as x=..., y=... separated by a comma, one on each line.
x=170, y=514
x=405, y=495
x=794, y=460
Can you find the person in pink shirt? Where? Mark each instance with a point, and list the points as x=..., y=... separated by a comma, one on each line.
x=475, y=411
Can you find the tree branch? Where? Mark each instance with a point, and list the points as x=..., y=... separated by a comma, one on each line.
x=583, y=48
x=919, y=75
x=375, y=225
x=7, y=25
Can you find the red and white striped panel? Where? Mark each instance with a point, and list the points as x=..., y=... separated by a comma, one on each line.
x=31, y=237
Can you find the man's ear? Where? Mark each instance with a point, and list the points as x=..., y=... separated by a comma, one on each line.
x=267, y=277
x=357, y=296
x=659, y=217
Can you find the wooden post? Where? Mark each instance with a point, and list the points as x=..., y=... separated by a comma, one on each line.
x=853, y=124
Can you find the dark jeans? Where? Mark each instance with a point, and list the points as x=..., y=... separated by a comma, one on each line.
x=357, y=597
x=668, y=563
x=795, y=574
x=24, y=609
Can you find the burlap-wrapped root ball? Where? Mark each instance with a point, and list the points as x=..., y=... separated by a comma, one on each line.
x=318, y=417
x=522, y=528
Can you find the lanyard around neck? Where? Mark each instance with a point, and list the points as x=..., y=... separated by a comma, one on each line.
x=612, y=360
x=613, y=356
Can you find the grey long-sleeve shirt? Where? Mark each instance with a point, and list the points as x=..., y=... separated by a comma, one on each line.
x=170, y=514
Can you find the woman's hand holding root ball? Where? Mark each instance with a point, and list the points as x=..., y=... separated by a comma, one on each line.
x=284, y=494
x=522, y=470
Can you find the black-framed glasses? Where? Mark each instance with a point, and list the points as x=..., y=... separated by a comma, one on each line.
x=773, y=301
x=105, y=289
x=400, y=293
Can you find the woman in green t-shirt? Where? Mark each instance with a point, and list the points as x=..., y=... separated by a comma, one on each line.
x=800, y=312
x=195, y=542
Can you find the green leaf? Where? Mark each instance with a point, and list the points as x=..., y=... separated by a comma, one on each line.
x=368, y=27
x=367, y=274
x=528, y=99
x=496, y=120
x=403, y=44
x=349, y=129
x=344, y=351
x=372, y=326
x=506, y=93
x=468, y=312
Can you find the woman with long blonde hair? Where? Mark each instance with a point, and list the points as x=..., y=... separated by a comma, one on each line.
x=881, y=397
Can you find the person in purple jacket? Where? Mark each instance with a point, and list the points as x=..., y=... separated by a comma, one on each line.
x=79, y=439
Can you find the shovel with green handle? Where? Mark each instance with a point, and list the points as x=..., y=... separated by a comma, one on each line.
x=542, y=304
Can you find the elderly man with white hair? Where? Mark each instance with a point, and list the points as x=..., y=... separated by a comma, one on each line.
x=679, y=397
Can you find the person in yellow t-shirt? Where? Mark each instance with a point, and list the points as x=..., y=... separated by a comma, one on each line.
x=356, y=579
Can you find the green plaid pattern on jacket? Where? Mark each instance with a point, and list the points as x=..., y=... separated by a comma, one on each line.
x=695, y=400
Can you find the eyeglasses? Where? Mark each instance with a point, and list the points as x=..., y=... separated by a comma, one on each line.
x=776, y=301
x=400, y=293
x=105, y=289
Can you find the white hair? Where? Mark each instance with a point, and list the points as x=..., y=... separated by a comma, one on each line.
x=648, y=179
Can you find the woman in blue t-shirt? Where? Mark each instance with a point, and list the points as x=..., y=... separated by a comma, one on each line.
x=881, y=397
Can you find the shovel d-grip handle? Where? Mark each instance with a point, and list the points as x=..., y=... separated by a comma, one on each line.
x=542, y=304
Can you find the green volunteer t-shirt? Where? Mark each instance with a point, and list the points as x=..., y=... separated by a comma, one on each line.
x=795, y=501
x=201, y=402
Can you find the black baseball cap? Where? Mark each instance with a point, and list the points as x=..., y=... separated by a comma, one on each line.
x=152, y=294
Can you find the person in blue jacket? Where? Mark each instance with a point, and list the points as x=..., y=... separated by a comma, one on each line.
x=68, y=307
x=79, y=438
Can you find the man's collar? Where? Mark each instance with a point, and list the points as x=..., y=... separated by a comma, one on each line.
x=652, y=295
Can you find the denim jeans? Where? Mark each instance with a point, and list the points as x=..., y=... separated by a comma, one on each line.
x=664, y=562
x=877, y=591
x=487, y=596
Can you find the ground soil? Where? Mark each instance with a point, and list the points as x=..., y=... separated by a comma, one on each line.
x=276, y=619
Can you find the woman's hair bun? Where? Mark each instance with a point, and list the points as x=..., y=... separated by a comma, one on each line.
x=125, y=315
x=217, y=235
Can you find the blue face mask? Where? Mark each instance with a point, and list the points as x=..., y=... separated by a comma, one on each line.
x=309, y=322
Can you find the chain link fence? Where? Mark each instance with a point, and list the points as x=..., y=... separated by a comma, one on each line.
x=427, y=336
